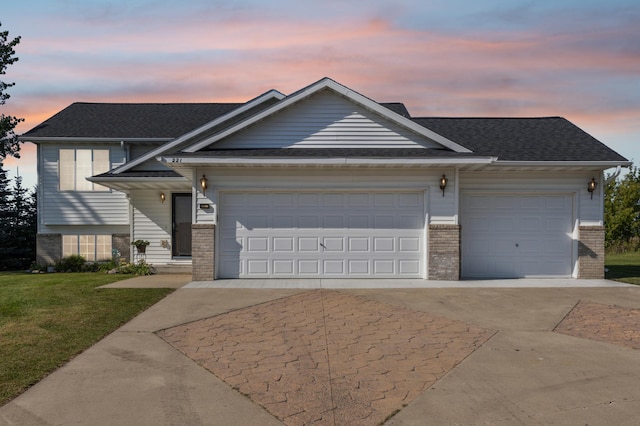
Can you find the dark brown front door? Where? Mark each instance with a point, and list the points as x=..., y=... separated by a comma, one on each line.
x=181, y=225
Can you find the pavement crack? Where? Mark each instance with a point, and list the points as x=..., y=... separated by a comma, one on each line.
x=326, y=345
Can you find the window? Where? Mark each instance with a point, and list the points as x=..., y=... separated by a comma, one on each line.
x=91, y=247
x=78, y=164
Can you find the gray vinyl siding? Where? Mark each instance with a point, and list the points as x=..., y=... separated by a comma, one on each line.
x=326, y=121
x=79, y=207
x=152, y=222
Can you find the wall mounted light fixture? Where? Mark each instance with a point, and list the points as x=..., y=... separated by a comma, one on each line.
x=162, y=197
x=443, y=183
x=592, y=186
x=203, y=184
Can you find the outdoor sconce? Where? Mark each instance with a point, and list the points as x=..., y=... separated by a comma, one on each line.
x=443, y=183
x=592, y=186
x=162, y=197
x=203, y=183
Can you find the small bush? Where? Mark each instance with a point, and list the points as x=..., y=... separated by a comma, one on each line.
x=140, y=268
x=73, y=263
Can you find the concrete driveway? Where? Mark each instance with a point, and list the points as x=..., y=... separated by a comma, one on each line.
x=545, y=354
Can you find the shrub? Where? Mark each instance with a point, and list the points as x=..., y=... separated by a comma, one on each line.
x=140, y=268
x=73, y=263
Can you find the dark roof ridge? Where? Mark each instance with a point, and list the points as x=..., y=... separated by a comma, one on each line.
x=491, y=118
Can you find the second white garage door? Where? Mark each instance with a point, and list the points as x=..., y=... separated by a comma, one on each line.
x=309, y=234
x=513, y=236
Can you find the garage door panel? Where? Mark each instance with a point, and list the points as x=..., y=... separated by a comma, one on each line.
x=334, y=244
x=334, y=267
x=409, y=244
x=283, y=244
x=283, y=267
x=341, y=234
x=507, y=235
x=409, y=200
x=308, y=267
x=359, y=244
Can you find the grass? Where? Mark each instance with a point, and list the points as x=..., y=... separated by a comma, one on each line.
x=624, y=267
x=47, y=319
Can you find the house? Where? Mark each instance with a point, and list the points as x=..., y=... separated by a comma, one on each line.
x=324, y=182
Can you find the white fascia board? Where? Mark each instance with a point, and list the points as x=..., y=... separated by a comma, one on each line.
x=322, y=161
x=102, y=180
x=158, y=151
x=598, y=164
x=76, y=140
x=341, y=90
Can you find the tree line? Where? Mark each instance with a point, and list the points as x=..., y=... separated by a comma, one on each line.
x=18, y=223
x=622, y=213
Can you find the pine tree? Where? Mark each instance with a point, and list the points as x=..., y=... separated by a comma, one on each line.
x=6, y=226
x=9, y=144
x=24, y=220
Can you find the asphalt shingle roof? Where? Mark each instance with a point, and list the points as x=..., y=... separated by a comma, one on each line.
x=509, y=139
x=522, y=139
x=107, y=120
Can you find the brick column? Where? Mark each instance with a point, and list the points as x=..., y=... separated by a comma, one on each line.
x=48, y=248
x=202, y=250
x=444, y=252
x=591, y=252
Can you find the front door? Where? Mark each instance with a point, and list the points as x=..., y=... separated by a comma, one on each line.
x=181, y=225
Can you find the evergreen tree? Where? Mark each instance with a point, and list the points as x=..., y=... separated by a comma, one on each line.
x=6, y=227
x=9, y=144
x=24, y=220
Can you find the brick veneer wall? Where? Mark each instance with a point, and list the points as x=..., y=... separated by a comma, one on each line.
x=444, y=252
x=122, y=243
x=591, y=252
x=202, y=250
x=48, y=248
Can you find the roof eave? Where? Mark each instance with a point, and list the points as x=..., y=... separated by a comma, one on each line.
x=327, y=161
x=77, y=139
x=597, y=164
x=127, y=184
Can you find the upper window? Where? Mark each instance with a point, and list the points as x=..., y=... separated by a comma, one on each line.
x=78, y=164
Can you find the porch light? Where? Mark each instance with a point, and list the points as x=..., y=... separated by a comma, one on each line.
x=162, y=197
x=592, y=186
x=443, y=183
x=203, y=183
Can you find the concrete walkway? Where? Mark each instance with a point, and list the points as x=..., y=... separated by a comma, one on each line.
x=482, y=355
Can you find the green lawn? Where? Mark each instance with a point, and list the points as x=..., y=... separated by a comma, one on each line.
x=47, y=319
x=624, y=267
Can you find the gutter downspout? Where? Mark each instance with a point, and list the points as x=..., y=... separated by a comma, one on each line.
x=614, y=175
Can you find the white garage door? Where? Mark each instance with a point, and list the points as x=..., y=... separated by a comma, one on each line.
x=513, y=236
x=321, y=234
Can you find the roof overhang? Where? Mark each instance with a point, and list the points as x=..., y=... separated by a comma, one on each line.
x=127, y=184
x=179, y=162
x=79, y=140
